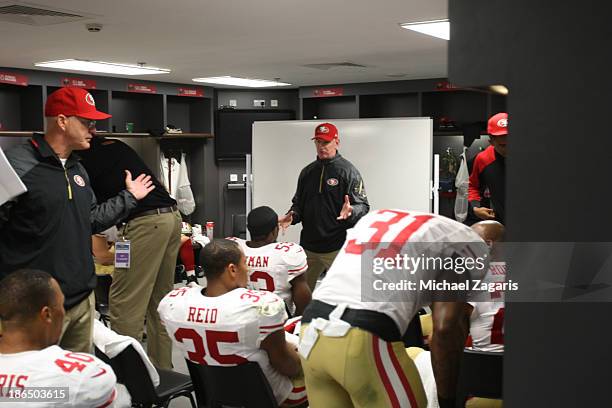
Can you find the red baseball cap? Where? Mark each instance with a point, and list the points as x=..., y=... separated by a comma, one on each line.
x=498, y=124
x=326, y=132
x=73, y=101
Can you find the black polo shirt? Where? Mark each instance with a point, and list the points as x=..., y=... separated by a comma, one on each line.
x=106, y=161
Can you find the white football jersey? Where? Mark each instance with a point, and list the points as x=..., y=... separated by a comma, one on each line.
x=272, y=267
x=487, y=318
x=226, y=330
x=87, y=381
x=388, y=232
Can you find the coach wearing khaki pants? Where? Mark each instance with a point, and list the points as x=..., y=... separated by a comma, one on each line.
x=330, y=198
x=153, y=230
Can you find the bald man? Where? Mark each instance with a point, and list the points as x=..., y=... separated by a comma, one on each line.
x=486, y=318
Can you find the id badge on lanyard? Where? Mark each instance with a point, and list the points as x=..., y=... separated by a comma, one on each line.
x=122, y=253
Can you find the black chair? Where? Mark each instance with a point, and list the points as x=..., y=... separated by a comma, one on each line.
x=414, y=334
x=239, y=225
x=132, y=372
x=101, y=293
x=243, y=385
x=481, y=375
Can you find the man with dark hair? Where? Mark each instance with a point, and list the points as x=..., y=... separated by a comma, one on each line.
x=275, y=267
x=236, y=324
x=31, y=316
x=50, y=226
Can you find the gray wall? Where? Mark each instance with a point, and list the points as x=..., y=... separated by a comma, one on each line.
x=557, y=178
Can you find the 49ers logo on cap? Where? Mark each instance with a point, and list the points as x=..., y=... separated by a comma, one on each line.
x=89, y=99
x=79, y=180
x=502, y=123
x=332, y=182
x=323, y=129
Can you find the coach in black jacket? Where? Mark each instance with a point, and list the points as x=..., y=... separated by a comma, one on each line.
x=330, y=198
x=50, y=226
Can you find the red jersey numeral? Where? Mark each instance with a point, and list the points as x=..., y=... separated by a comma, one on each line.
x=213, y=338
x=382, y=227
x=268, y=281
x=178, y=292
x=249, y=294
x=73, y=361
x=284, y=246
x=497, y=330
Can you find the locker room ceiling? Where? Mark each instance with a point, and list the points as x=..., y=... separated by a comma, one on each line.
x=252, y=38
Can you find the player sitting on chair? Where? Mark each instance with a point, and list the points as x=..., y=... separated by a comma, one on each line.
x=275, y=267
x=234, y=324
x=31, y=316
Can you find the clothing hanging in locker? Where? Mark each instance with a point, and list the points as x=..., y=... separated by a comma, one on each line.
x=176, y=181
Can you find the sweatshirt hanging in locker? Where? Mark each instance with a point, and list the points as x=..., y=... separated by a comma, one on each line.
x=176, y=180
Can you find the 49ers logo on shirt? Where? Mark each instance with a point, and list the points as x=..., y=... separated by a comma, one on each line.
x=332, y=182
x=79, y=180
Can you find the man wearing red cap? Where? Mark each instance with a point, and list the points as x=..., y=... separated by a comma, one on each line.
x=330, y=198
x=489, y=172
x=50, y=226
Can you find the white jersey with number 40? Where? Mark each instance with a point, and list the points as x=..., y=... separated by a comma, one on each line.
x=385, y=234
x=67, y=378
x=226, y=330
x=272, y=267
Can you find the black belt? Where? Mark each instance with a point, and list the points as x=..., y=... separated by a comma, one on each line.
x=374, y=322
x=162, y=210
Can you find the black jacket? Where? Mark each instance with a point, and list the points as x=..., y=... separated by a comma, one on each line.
x=50, y=226
x=318, y=200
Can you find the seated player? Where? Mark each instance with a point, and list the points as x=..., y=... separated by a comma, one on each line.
x=275, y=267
x=236, y=324
x=486, y=318
x=31, y=316
x=351, y=349
x=190, y=240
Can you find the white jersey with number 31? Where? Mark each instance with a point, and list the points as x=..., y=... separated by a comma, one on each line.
x=384, y=234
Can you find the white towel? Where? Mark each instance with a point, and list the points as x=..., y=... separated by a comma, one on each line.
x=111, y=344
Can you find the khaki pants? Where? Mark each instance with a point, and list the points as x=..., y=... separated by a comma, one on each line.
x=360, y=370
x=136, y=291
x=317, y=263
x=77, y=328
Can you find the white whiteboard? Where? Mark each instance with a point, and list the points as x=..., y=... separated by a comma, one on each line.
x=394, y=157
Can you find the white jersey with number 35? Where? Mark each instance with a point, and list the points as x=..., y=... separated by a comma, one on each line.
x=81, y=378
x=384, y=234
x=226, y=330
x=272, y=267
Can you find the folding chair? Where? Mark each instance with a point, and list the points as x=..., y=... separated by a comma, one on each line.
x=101, y=292
x=131, y=371
x=244, y=385
x=481, y=375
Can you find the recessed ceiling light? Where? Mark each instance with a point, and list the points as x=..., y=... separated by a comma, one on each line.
x=500, y=89
x=435, y=28
x=101, y=66
x=234, y=81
